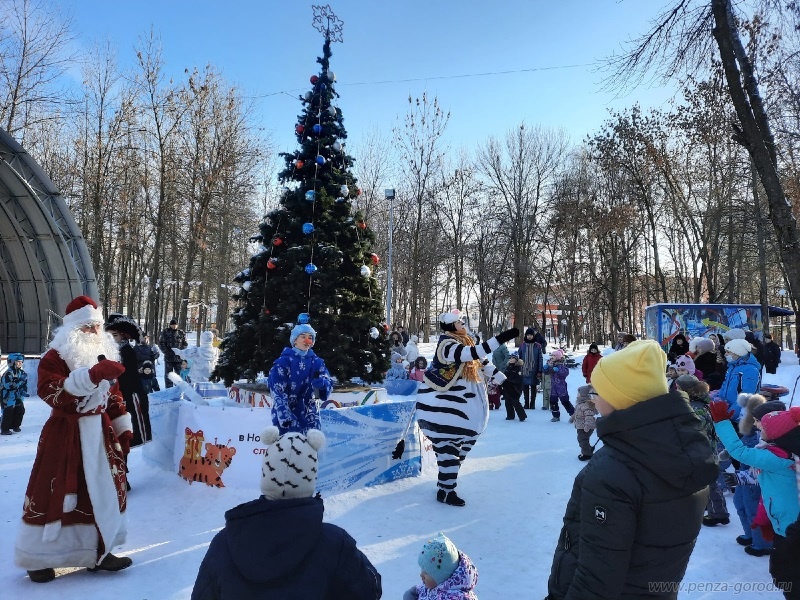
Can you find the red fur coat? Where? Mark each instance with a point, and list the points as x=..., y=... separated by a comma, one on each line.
x=74, y=510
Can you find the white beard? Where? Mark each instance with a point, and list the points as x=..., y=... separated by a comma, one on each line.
x=79, y=349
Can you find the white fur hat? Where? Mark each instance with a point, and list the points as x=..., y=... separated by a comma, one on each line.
x=451, y=316
x=733, y=334
x=739, y=347
x=290, y=463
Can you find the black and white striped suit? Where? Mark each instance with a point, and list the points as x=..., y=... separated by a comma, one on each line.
x=454, y=418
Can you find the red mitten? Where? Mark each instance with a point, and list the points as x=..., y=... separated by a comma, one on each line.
x=125, y=439
x=761, y=521
x=720, y=411
x=105, y=369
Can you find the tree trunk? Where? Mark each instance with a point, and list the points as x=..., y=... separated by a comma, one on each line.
x=756, y=136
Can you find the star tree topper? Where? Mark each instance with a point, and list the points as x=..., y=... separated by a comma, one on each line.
x=327, y=23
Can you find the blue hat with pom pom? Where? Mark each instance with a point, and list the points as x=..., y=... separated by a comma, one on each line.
x=439, y=558
x=300, y=329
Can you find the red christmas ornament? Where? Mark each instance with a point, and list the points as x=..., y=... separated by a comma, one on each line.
x=375, y=259
x=358, y=191
x=271, y=264
x=299, y=164
x=362, y=224
x=266, y=311
x=299, y=129
x=314, y=79
x=277, y=241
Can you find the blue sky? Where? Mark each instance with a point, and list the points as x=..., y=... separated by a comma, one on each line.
x=268, y=47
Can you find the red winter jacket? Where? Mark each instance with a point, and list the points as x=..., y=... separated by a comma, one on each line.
x=589, y=363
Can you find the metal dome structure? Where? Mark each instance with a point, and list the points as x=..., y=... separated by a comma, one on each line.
x=44, y=261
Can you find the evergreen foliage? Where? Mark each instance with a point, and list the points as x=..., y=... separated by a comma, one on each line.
x=342, y=304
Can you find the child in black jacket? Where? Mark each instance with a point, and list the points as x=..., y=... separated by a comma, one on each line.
x=512, y=388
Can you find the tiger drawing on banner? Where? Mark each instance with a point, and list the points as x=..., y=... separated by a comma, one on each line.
x=208, y=468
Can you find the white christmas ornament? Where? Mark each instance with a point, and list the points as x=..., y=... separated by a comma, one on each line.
x=368, y=368
x=330, y=75
x=247, y=285
x=336, y=146
x=366, y=271
x=374, y=333
x=332, y=111
x=344, y=190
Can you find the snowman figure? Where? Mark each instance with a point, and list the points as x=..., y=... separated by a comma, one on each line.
x=202, y=359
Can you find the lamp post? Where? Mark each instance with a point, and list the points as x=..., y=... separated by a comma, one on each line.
x=389, y=195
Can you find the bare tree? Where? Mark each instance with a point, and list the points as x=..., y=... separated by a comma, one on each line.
x=34, y=53
x=519, y=172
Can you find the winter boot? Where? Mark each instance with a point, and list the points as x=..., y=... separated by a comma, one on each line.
x=112, y=563
x=453, y=499
x=42, y=575
x=441, y=495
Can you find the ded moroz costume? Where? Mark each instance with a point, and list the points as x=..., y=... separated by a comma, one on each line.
x=75, y=502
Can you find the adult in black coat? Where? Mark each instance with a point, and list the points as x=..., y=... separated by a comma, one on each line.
x=170, y=338
x=758, y=347
x=125, y=330
x=636, y=508
x=277, y=547
x=772, y=354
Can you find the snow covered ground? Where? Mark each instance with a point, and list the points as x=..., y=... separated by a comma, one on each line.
x=516, y=483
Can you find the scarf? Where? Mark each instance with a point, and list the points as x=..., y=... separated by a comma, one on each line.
x=471, y=367
x=527, y=366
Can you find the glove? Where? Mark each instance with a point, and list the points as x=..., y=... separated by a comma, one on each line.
x=105, y=369
x=289, y=424
x=720, y=411
x=319, y=383
x=125, y=439
x=507, y=335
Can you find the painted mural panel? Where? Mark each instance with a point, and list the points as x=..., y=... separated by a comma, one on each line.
x=664, y=321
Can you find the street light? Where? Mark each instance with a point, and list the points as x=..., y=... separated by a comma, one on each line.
x=389, y=195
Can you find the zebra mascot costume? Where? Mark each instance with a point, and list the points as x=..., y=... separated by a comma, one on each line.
x=452, y=406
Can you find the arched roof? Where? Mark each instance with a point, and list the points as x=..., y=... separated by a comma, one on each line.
x=44, y=262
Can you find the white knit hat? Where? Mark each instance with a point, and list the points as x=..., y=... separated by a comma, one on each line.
x=290, y=463
x=738, y=347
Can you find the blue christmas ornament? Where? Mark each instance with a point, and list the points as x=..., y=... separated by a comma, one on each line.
x=317, y=128
x=323, y=86
x=303, y=318
x=339, y=200
x=311, y=195
x=311, y=268
x=308, y=228
x=320, y=160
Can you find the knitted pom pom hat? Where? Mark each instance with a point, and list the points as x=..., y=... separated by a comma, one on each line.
x=439, y=558
x=299, y=329
x=290, y=463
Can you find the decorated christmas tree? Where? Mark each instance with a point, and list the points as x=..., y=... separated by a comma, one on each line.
x=315, y=260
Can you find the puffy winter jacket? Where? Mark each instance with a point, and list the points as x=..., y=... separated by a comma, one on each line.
x=636, y=508
x=743, y=375
x=281, y=550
